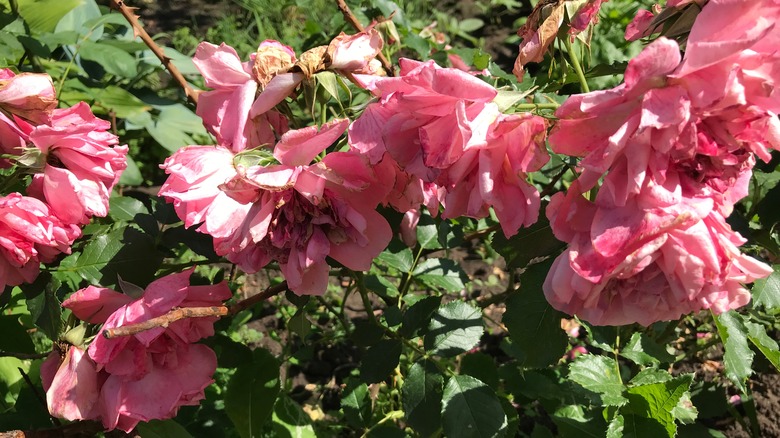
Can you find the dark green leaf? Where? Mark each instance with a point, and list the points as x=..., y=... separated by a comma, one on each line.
x=397, y=258
x=125, y=251
x=470, y=409
x=738, y=357
x=421, y=395
x=428, y=233
x=529, y=243
x=290, y=421
x=299, y=324
x=649, y=376
x=599, y=374
x=381, y=286
x=356, y=404
x=161, y=429
x=573, y=422
x=380, y=360
x=418, y=316
x=644, y=351
x=132, y=174
x=529, y=318
x=251, y=393
x=441, y=273
x=43, y=304
x=649, y=409
x=455, y=328
x=125, y=208
x=766, y=291
x=480, y=366
x=768, y=346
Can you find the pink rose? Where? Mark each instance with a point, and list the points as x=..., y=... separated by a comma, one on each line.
x=353, y=53
x=81, y=166
x=227, y=110
x=261, y=207
x=30, y=96
x=141, y=377
x=29, y=235
x=440, y=126
x=633, y=264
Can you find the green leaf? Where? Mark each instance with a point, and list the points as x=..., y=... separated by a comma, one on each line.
x=299, y=324
x=113, y=60
x=380, y=285
x=380, y=360
x=470, y=24
x=125, y=208
x=173, y=126
x=131, y=176
x=397, y=258
x=418, y=316
x=685, y=412
x=599, y=374
x=15, y=337
x=43, y=15
x=422, y=395
x=441, y=273
x=738, y=357
x=768, y=346
x=766, y=291
x=470, y=409
x=649, y=409
x=649, y=376
x=161, y=429
x=428, y=233
x=11, y=381
x=480, y=366
x=529, y=318
x=329, y=82
x=528, y=244
x=644, y=351
x=290, y=420
x=455, y=328
x=124, y=251
x=356, y=404
x=505, y=99
x=112, y=98
x=43, y=304
x=573, y=422
x=615, y=428
x=251, y=393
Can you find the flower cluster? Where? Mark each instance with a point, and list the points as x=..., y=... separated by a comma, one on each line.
x=675, y=145
x=264, y=192
x=74, y=161
x=438, y=132
x=149, y=375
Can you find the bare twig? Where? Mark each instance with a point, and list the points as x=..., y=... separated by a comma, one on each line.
x=351, y=19
x=139, y=31
x=193, y=312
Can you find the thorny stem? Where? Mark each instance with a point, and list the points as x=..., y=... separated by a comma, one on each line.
x=194, y=312
x=138, y=30
x=575, y=62
x=351, y=19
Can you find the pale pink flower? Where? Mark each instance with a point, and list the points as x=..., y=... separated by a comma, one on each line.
x=81, y=166
x=196, y=174
x=353, y=53
x=237, y=86
x=141, y=377
x=301, y=212
x=29, y=235
x=636, y=263
x=30, y=96
x=440, y=125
